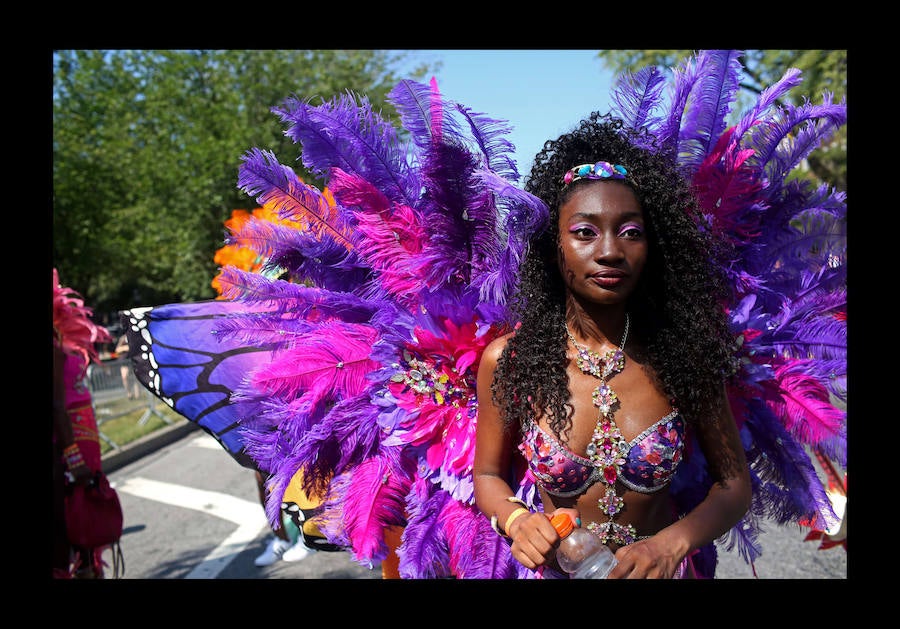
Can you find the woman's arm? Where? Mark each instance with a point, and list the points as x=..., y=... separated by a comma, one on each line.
x=729, y=497
x=726, y=503
x=532, y=535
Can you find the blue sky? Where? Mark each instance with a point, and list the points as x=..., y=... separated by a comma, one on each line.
x=542, y=93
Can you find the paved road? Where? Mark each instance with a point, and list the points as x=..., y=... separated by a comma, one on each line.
x=191, y=512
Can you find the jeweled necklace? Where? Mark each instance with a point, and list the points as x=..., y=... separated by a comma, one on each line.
x=608, y=449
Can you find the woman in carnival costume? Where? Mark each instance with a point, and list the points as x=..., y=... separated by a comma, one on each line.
x=76, y=442
x=357, y=380
x=623, y=346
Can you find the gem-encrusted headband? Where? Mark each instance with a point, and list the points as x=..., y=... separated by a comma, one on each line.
x=599, y=170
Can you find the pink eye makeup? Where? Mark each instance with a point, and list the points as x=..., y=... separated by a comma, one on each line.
x=583, y=229
x=631, y=230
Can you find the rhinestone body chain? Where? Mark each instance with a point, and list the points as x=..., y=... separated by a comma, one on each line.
x=608, y=449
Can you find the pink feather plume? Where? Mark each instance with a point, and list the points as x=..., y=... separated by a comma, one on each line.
x=335, y=359
x=805, y=405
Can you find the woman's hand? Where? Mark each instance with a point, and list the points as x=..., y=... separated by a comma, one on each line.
x=534, y=540
x=572, y=513
x=650, y=558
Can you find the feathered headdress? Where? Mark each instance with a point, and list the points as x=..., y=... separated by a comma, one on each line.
x=398, y=286
x=73, y=329
x=788, y=272
x=362, y=376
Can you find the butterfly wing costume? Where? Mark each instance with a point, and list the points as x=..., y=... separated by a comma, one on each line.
x=357, y=376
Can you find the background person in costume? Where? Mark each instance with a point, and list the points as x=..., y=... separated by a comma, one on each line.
x=76, y=442
x=132, y=387
x=359, y=376
x=280, y=546
x=622, y=352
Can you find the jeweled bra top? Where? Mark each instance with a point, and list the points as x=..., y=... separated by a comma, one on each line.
x=652, y=458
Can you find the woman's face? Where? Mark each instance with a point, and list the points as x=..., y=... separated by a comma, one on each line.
x=602, y=242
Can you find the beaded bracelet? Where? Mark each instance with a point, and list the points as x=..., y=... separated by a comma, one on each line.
x=496, y=526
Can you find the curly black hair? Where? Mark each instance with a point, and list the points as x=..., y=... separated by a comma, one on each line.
x=676, y=308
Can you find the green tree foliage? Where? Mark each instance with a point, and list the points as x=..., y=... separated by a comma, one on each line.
x=146, y=150
x=823, y=71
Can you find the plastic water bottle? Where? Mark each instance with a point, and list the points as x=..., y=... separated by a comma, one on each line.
x=581, y=553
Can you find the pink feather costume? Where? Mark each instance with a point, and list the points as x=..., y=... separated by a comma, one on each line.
x=77, y=336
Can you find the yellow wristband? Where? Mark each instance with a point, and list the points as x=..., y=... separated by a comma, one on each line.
x=512, y=517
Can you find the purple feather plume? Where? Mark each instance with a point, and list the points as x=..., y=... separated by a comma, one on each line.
x=476, y=551
x=708, y=105
x=421, y=111
x=271, y=183
x=344, y=134
x=424, y=553
x=637, y=96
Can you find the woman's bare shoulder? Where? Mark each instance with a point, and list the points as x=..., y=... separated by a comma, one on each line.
x=499, y=343
x=495, y=348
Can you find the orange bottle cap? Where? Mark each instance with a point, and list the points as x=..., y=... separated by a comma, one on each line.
x=563, y=523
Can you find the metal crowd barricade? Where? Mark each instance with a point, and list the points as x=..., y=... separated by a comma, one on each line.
x=108, y=389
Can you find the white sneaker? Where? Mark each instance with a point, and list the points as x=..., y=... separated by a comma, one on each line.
x=297, y=552
x=274, y=551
